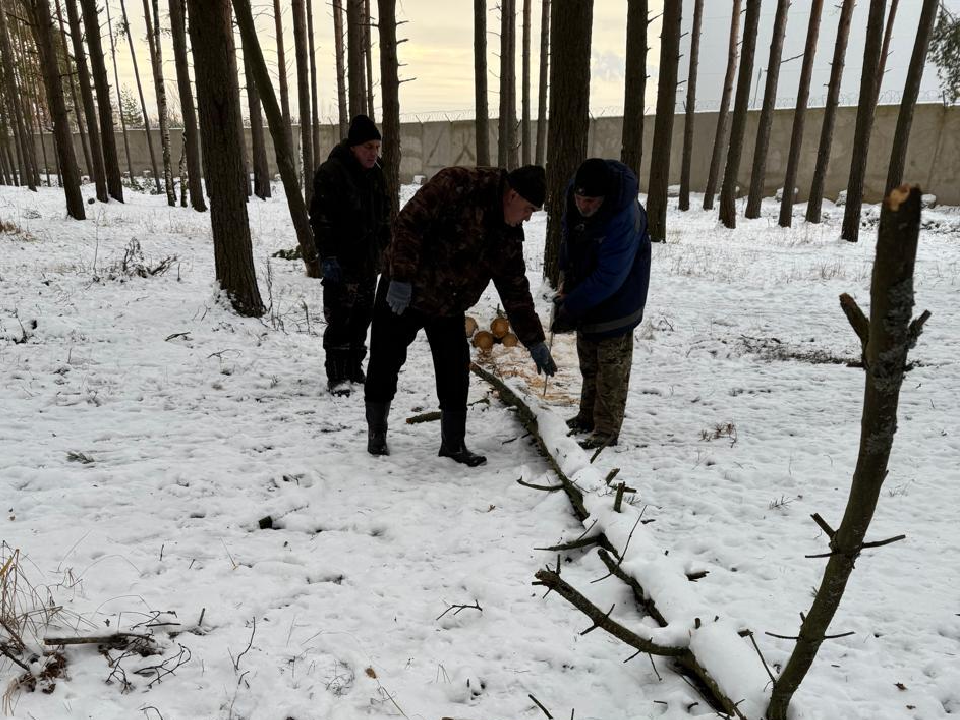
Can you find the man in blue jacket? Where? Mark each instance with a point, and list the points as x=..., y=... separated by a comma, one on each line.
x=605, y=261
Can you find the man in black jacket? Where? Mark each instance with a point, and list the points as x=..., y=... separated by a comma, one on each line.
x=350, y=217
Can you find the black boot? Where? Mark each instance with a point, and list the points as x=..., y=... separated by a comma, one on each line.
x=377, y=428
x=453, y=426
x=338, y=365
x=355, y=369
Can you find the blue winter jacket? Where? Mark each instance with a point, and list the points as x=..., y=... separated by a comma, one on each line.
x=605, y=260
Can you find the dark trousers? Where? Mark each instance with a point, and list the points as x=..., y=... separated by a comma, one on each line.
x=605, y=369
x=347, y=309
x=392, y=334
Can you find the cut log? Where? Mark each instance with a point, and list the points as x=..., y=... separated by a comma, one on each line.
x=483, y=340
x=510, y=340
x=470, y=325
x=500, y=327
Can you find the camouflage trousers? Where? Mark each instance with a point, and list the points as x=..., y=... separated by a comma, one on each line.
x=605, y=369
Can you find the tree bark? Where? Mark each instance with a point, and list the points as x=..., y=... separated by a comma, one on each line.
x=116, y=82
x=720, y=139
x=218, y=98
x=728, y=191
x=343, y=117
x=261, y=172
x=799, y=114
x=507, y=119
x=368, y=59
x=43, y=33
x=97, y=169
x=690, y=109
x=303, y=94
x=77, y=107
x=815, y=200
x=178, y=27
x=885, y=49
x=390, y=93
x=279, y=131
x=571, y=24
x=901, y=136
x=17, y=110
x=544, y=81
x=663, y=123
x=282, y=74
x=125, y=26
x=156, y=61
x=891, y=334
x=480, y=80
x=314, y=85
x=355, y=93
x=635, y=85
x=869, y=82
x=526, y=137
x=759, y=171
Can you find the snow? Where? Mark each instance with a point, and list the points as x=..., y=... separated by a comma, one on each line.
x=146, y=431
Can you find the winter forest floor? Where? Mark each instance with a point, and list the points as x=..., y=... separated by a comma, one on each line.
x=145, y=429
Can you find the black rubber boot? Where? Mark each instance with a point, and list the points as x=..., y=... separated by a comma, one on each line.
x=338, y=366
x=453, y=427
x=377, y=428
x=355, y=369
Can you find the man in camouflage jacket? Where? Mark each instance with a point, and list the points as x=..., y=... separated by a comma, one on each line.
x=460, y=231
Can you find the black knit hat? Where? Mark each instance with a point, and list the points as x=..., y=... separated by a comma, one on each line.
x=530, y=182
x=593, y=178
x=361, y=130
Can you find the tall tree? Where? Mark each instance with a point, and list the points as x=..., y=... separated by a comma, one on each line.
x=303, y=94
x=480, y=80
x=738, y=126
x=282, y=74
x=368, y=58
x=571, y=23
x=178, y=30
x=911, y=88
x=544, y=81
x=526, y=139
x=869, y=81
x=91, y=23
x=635, y=85
x=86, y=94
x=799, y=114
x=261, y=172
x=815, y=199
x=885, y=48
x=508, y=115
x=720, y=139
x=342, y=116
x=44, y=33
x=71, y=76
x=945, y=53
x=690, y=107
x=125, y=27
x=663, y=123
x=120, y=99
x=759, y=171
x=279, y=131
x=218, y=98
x=314, y=87
x=390, y=93
x=355, y=80
x=152, y=16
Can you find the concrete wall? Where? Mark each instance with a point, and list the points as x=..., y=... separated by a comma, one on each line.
x=933, y=158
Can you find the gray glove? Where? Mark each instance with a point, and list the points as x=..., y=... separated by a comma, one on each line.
x=541, y=356
x=398, y=295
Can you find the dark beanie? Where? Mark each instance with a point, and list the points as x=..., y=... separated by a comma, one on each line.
x=593, y=178
x=530, y=181
x=361, y=130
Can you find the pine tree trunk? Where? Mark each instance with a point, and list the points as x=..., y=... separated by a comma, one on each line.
x=815, y=200
x=544, y=82
x=738, y=126
x=261, y=172
x=663, y=123
x=506, y=150
x=86, y=93
x=43, y=32
x=303, y=94
x=571, y=23
x=282, y=73
x=125, y=25
x=23, y=85
x=78, y=112
x=869, y=81
x=480, y=80
x=526, y=139
x=355, y=79
x=720, y=139
x=799, y=114
x=889, y=336
x=218, y=98
x=156, y=62
x=390, y=94
x=885, y=49
x=343, y=117
x=368, y=59
x=17, y=109
x=279, y=131
x=759, y=171
x=123, y=123
x=178, y=28
x=635, y=85
x=314, y=88
x=683, y=201
x=513, y=146
x=911, y=88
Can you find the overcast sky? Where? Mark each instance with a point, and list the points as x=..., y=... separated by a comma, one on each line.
x=439, y=53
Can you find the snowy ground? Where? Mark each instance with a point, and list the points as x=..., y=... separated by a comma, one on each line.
x=146, y=430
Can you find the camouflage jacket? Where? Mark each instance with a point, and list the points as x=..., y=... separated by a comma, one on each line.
x=450, y=241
